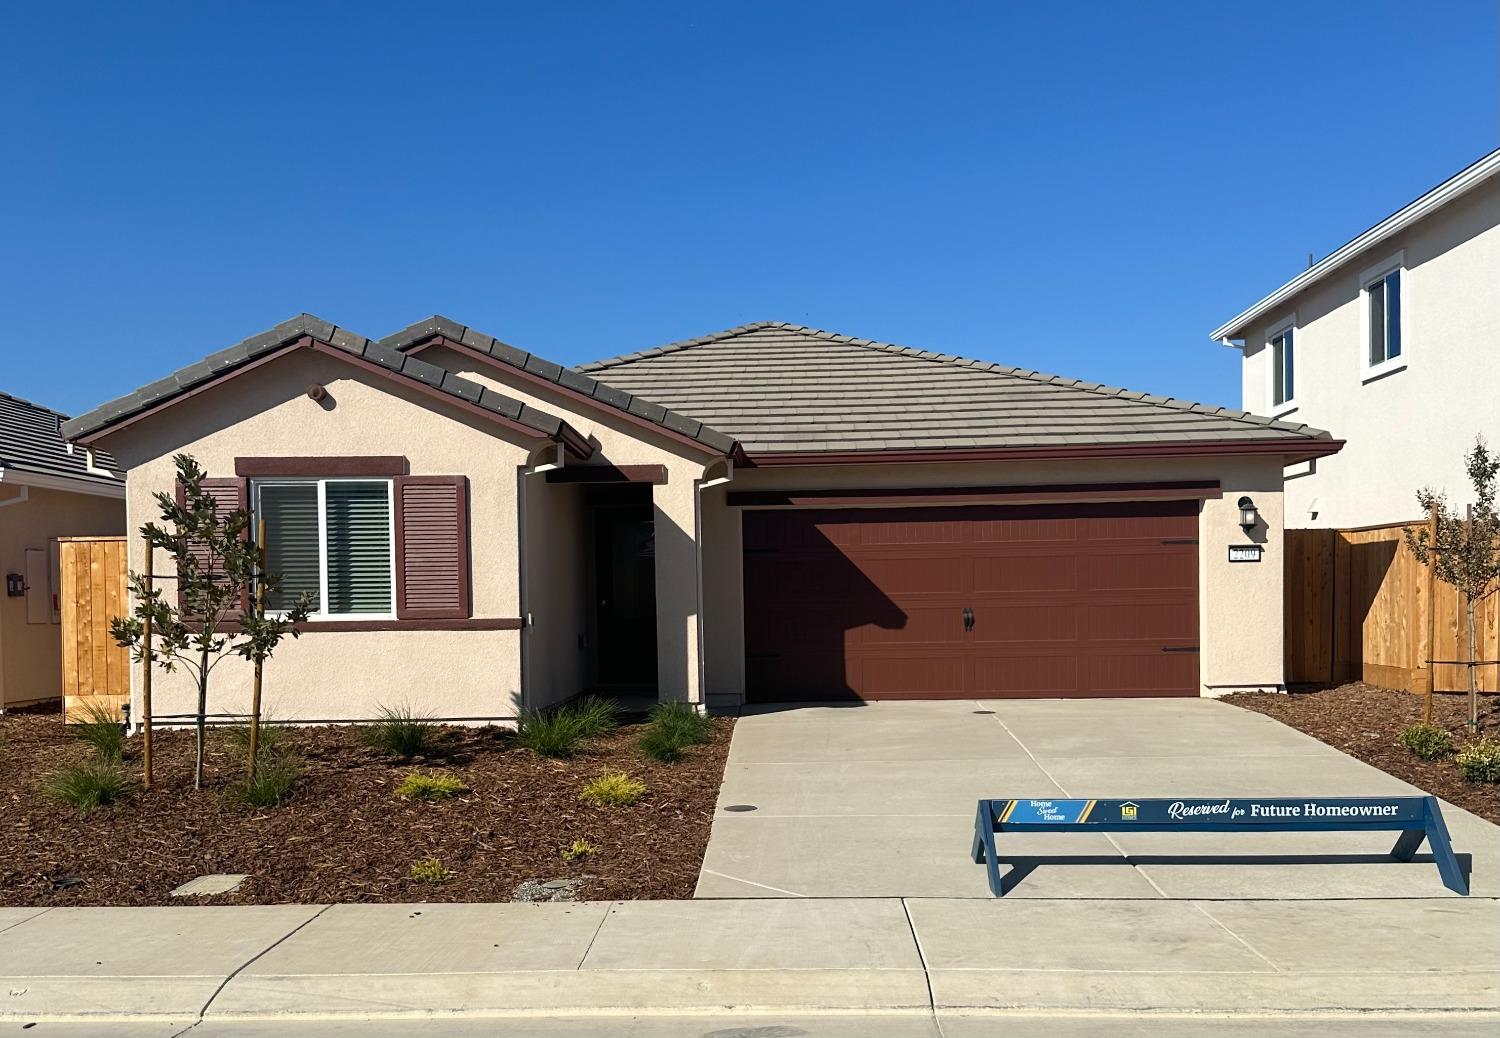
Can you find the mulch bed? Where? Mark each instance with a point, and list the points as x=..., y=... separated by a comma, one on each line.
x=1365, y=721
x=344, y=835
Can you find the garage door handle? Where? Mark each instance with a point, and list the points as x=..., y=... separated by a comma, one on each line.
x=968, y=619
x=1179, y=648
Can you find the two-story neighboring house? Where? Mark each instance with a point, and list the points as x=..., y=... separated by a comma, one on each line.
x=1392, y=342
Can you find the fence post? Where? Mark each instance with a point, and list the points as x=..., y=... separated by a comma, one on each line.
x=1430, y=685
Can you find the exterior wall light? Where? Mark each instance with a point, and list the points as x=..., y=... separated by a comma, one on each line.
x=1248, y=513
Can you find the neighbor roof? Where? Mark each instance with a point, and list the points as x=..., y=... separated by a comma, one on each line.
x=344, y=342
x=31, y=441
x=568, y=378
x=1456, y=186
x=785, y=388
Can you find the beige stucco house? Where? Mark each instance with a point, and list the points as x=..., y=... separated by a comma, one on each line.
x=1392, y=340
x=47, y=490
x=766, y=513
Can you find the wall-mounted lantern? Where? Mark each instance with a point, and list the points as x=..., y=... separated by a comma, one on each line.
x=1248, y=514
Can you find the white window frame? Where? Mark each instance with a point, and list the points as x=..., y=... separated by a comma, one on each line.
x=322, y=484
x=1369, y=372
x=1286, y=324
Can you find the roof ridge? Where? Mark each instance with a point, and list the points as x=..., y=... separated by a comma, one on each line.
x=1098, y=389
x=32, y=403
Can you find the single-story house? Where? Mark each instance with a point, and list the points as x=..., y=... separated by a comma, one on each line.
x=766, y=513
x=47, y=490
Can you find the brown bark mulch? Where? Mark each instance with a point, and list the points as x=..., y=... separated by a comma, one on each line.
x=1365, y=721
x=343, y=835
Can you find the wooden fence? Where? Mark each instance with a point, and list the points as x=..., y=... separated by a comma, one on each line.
x=1357, y=608
x=95, y=669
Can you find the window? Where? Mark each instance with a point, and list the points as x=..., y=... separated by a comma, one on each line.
x=1282, y=358
x=1381, y=289
x=330, y=538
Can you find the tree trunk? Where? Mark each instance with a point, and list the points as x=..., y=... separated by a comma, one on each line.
x=1473, y=657
x=202, y=718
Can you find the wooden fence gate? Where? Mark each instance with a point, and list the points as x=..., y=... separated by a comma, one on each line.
x=95, y=669
x=1356, y=609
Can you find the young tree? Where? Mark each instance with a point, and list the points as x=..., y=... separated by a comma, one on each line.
x=1464, y=552
x=216, y=566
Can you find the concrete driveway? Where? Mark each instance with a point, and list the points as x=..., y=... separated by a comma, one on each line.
x=877, y=800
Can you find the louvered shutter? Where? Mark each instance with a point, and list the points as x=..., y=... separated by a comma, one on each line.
x=228, y=493
x=432, y=547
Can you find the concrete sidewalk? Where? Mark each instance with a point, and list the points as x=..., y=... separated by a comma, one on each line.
x=908, y=956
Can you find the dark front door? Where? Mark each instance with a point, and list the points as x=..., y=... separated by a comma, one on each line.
x=625, y=587
x=982, y=601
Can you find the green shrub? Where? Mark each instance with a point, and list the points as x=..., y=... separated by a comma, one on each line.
x=612, y=789
x=93, y=783
x=437, y=786
x=275, y=774
x=101, y=729
x=1480, y=761
x=580, y=850
x=661, y=745
x=399, y=731
x=673, y=728
x=596, y=715
x=1428, y=741
x=683, y=722
x=429, y=870
x=555, y=733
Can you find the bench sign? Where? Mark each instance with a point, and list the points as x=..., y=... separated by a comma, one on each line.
x=1415, y=818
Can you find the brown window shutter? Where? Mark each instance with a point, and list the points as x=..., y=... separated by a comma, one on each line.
x=432, y=547
x=228, y=493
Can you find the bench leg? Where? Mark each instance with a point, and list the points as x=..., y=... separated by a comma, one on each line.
x=1442, y=850
x=1407, y=844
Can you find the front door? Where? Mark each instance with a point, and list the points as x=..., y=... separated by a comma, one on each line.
x=625, y=594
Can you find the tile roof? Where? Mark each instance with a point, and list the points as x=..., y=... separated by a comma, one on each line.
x=31, y=441
x=286, y=332
x=566, y=377
x=779, y=387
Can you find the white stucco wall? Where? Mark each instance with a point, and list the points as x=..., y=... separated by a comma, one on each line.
x=1410, y=428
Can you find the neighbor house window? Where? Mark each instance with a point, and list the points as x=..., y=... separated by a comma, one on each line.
x=1283, y=367
x=331, y=539
x=1381, y=291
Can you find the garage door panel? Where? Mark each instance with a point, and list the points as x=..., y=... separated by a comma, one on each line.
x=1067, y=600
x=1017, y=574
x=1140, y=672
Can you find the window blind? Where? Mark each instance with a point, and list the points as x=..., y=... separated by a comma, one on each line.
x=291, y=515
x=358, y=535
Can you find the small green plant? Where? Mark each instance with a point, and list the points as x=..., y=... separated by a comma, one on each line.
x=429, y=870
x=436, y=786
x=596, y=715
x=612, y=789
x=101, y=729
x=661, y=746
x=275, y=775
x=93, y=783
x=673, y=728
x=555, y=733
x=580, y=850
x=1428, y=741
x=269, y=740
x=399, y=731
x=1480, y=761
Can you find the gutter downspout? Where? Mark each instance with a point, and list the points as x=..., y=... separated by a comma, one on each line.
x=699, y=485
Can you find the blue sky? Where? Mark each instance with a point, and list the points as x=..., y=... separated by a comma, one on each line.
x=1080, y=188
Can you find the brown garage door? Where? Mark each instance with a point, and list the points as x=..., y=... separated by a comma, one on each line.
x=988, y=601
